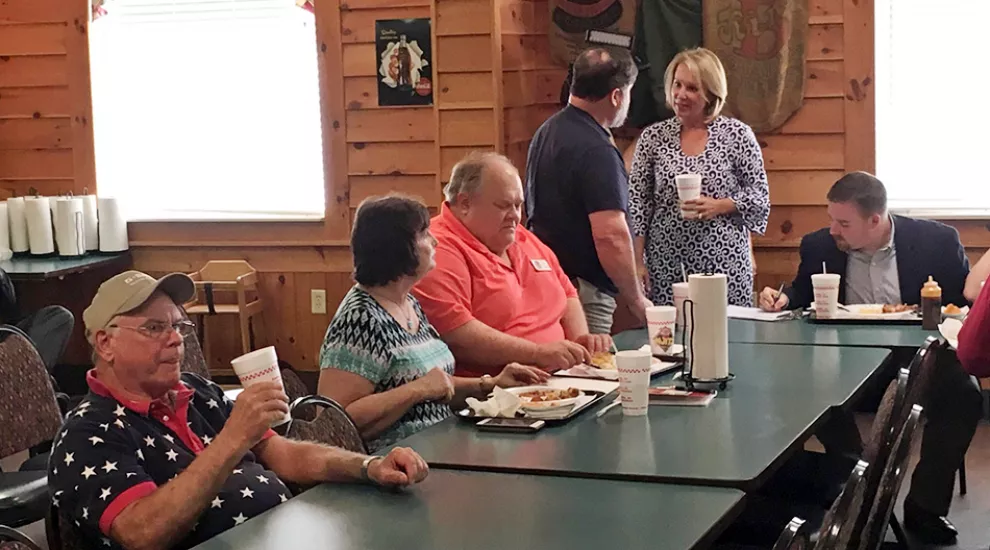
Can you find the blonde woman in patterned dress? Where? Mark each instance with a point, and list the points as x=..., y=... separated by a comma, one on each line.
x=734, y=200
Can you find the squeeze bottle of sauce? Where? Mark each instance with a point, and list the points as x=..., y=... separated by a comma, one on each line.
x=931, y=305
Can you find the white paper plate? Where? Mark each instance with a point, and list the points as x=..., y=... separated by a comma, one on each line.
x=587, y=371
x=544, y=405
x=963, y=312
x=873, y=312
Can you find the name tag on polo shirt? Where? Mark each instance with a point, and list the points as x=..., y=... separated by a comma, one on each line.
x=541, y=265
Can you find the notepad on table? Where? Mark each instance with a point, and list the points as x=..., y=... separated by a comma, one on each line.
x=669, y=395
x=757, y=314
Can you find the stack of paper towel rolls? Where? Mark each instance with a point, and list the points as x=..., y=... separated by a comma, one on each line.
x=113, y=228
x=91, y=223
x=38, y=213
x=69, y=230
x=72, y=226
x=18, y=225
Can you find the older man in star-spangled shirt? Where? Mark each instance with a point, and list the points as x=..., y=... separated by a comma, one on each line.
x=155, y=459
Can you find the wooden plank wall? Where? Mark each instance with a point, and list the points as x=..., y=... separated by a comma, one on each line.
x=494, y=85
x=413, y=149
x=530, y=80
x=408, y=149
x=44, y=111
x=805, y=156
x=46, y=140
x=809, y=152
x=833, y=133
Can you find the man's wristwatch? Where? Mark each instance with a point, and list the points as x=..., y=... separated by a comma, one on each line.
x=487, y=384
x=367, y=463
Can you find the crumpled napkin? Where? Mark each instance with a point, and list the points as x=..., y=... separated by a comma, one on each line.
x=949, y=329
x=501, y=403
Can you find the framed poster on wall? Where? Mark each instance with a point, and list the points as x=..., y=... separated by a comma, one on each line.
x=405, y=62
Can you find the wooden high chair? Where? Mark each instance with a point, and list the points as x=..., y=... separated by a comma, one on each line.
x=226, y=277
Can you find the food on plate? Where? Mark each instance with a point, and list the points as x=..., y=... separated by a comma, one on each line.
x=898, y=308
x=951, y=309
x=603, y=360
x=549, y=394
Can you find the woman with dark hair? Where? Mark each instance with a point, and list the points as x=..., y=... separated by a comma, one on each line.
x=381, y=359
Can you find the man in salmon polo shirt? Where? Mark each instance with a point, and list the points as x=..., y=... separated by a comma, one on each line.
x=497, y=294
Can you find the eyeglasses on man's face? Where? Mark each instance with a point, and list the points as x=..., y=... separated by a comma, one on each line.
x=161, y=329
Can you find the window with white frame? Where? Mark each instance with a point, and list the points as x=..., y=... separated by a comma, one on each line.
x=208, y=109
x=931, y=116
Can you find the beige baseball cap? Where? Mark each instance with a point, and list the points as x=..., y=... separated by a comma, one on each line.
x=130, y=290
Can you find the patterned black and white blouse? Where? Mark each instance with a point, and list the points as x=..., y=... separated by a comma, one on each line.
x=731, y=166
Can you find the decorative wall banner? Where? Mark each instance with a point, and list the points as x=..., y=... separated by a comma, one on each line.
x=571, y=19
x=761, y=43
x=404, y=58
x=663, y=29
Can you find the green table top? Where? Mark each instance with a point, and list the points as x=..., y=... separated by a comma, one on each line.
x=27, y=268
x=801, y=332
x=768, y=411
x=460, y=510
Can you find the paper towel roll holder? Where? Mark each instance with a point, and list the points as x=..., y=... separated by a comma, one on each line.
x=691, y=383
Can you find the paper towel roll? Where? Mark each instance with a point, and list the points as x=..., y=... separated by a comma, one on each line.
x=38, y=212
x=91, y=222
x=113, y=228
x=69, y=231
x=708, y=326
x=18, y=225
x=4, y=227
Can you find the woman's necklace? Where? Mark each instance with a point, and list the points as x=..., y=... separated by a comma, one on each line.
x=403, y=310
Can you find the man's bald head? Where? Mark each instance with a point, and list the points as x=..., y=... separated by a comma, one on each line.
x=597, y=72
x=486, y=195
x=468, y=174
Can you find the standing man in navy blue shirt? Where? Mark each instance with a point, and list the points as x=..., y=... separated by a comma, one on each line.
x=577, y=188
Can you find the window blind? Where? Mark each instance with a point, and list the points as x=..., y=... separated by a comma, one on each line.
x=208, y=108
x=930, y=116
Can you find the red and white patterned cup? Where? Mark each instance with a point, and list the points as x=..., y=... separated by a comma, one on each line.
x=634, y=380
x=260, y=365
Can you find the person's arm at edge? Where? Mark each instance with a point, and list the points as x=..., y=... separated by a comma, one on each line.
x=974, y=344
x=308, y=463
x=373, y=413
x=799, y=294
x=953, y=290
x=617, y=253
x=476, y=343
x=574, y=322
x=977, y=275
